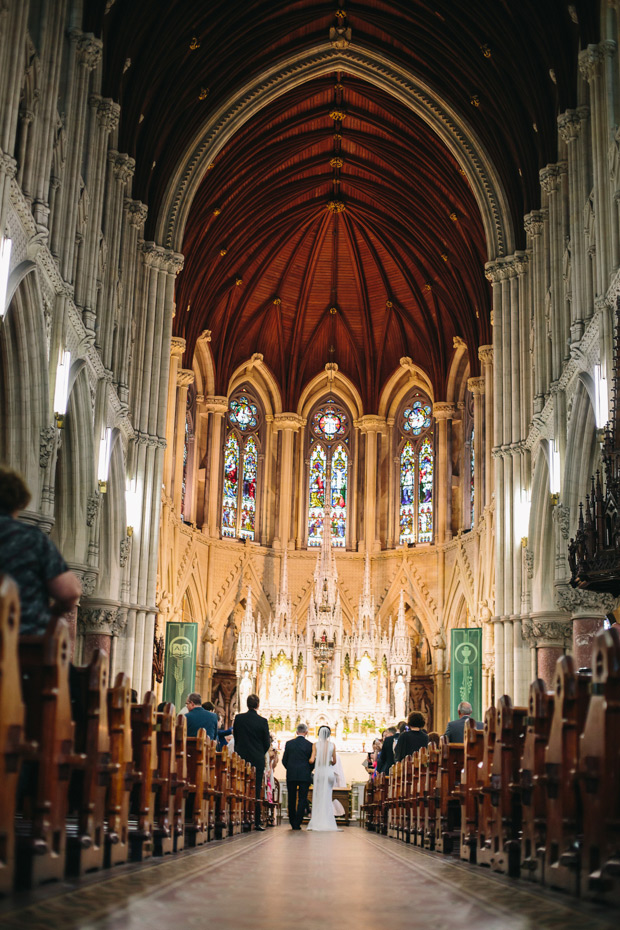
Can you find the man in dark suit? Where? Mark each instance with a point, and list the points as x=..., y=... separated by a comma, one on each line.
x=296, y=761
x=455, y=731
x=198, y=718
x=252, y=741
x=386, y=756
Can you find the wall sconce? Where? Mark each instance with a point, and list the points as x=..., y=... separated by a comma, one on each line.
x=105, y=451
x=554, y=471
x=61, y=391
x=132, y=505
x=5, y=261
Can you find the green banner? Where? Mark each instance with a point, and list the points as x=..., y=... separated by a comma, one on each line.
x=180, y=670
x=466, y=671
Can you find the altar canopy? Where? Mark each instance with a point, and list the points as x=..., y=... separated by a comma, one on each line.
x=356, y=683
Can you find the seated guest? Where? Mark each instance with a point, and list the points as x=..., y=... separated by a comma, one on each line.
x=412, y=739
x=222, y=733
x=198, y=718
x=455, y=731
x=386, y=756
x=46, y=586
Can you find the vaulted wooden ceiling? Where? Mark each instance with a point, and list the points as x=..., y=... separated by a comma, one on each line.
x=273, y=264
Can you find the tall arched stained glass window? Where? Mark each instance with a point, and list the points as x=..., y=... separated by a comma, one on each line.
x=340, y=469
x=231, y=485
x=241, y=467
x=329, y=468
x=416, y=473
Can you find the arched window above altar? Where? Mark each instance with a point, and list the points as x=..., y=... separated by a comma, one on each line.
x=416, y=463
x=329, y=458
x=241, y=466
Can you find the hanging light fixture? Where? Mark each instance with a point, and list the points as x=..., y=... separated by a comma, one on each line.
x=105, y=451
x=61, y=391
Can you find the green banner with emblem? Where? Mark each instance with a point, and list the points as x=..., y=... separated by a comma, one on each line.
x=466, y=670
x=180, y=668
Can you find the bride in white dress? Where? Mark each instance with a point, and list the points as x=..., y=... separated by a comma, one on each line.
x=324, y=757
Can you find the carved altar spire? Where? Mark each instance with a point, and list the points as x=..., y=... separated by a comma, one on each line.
x=400, y=647
x=246, y=646
x=366, y=605
x=284, y=611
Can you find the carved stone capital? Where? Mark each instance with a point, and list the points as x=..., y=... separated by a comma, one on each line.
x=569, y=125
x=520, y=262
x=542, y=632
x=177, y=346
x=290, y=421
x=97, y=619
x=551, y=177
x=485, y=354
x=591, y=602
x=172, y=262
x=108, y=113
x=534, y=223
x=215, y=404
x=136, y=213
x=8, y=165
x=89, y=50
x=123, y=166
x=475, y=386
x=493, y=272
x=124, y=550
x=371, y=423
x=185, y=377
x=444, y=411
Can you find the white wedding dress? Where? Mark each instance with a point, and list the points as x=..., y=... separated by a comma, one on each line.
x=322, y=819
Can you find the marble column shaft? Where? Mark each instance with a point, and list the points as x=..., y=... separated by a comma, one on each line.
x=370, y=426
x=185, y=377
x=288, y=424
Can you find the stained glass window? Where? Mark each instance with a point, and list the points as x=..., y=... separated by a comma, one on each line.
x=243, y=413
x=231, y=485
x=248, y=491
x=472, y=486
x=416, y=474
x=329, y=422
x=340, y=462
x=417, y=418
x=316, y=507
x=407, y=493
x=425, y=492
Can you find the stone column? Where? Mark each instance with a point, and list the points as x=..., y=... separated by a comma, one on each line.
x=96, y=623
x=370, y=426
x=534, y=227
x=485, y=354
x=569, y=125
x=289, y=424
x=177, y=348
x=121, y=169
x=588, y=610
x=185, y=377
x=216, y=408
x=443, y=412
x=476, y=387
x=136, y=213
x=552, y=180
x=549, y=634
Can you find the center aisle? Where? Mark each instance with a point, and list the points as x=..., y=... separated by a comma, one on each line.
x=281, y=879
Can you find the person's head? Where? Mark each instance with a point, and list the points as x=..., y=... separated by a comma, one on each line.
x=134, y=696
x=416, y=721
x=324, y=732
x=464, y=709
x=161, y=706
x=193, y=700
x=253, y=701
x=302, y=729
x=401, y=726
x=376, y=745
x=208, y=705
x=14, y=492
x=389, y=732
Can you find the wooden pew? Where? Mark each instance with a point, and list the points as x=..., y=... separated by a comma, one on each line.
x=211, y=788
x=392, y=800
x=163, y=840
x=249, y=797
x=123, y=776
x=469, y=792
x=531, y=780
x=179, y=784
x=486, y=810
x=599, y=774
x=505, y=795
x=564, y=826
x=222, y=791
x=447, y=793
x=420, y=789
x=404, y=823
x=44, y=787
x=197, y=795
x=430, y=795
x=413, y=799
x=144, y=750
x=89, y=784
x=12, y=720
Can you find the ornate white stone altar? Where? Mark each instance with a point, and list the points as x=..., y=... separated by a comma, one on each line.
x=355, y=681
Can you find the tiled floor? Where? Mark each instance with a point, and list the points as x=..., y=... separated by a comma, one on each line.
x=280, y=880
